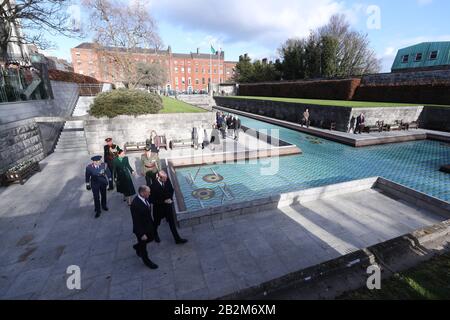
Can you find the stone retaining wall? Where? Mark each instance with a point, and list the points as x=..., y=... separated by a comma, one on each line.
x=137, y=129
x=20, y=141
x=293, y=112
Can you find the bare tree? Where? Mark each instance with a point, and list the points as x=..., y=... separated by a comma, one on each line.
x=122, y=30
x=353, y=53
x=36, y=18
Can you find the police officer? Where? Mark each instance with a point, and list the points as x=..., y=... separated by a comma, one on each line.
x=98, y=177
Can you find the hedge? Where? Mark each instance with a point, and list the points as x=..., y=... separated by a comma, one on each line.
x=314, y=89
x=125, y=102
x=58, y=75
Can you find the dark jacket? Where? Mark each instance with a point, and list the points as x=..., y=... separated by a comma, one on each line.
x=142, y=219
x=98, y=177
x=158, y=196
x=360, y=120
x=237, y=124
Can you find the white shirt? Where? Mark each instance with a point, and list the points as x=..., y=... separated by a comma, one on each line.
x=144, y=201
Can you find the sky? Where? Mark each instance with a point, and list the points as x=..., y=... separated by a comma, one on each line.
x=259, y=27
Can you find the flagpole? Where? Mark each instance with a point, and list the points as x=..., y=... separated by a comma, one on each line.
x=210, y=70
x=218, y=62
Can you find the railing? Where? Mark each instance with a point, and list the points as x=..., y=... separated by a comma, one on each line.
x=90, y=89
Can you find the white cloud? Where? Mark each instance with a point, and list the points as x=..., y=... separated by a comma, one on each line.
x=424, y=2
x=265, y=22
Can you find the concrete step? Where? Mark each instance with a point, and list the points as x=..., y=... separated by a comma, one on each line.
x=71, y=145
x=72, y=134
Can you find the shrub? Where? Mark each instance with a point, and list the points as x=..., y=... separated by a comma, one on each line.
x=125, y=102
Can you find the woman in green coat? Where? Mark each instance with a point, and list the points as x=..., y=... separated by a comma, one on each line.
x=123, y=172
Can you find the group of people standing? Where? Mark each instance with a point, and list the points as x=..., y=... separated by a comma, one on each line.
x=152, y=204
x=225, y=125
x=360, y=124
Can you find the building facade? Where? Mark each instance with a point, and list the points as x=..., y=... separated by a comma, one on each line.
x=185, y=72
x=423, y=56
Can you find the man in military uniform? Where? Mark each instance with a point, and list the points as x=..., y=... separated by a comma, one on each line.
x=98, y=176
x=151, y=165
x=110, y=152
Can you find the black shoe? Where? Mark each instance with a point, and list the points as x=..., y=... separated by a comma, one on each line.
x=105, y=208
x=97, y=215
x=157, y=239
x=135, y=247
x=150, y=264
x=181, y=241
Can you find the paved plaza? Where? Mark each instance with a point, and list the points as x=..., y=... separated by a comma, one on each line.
x=48, y=224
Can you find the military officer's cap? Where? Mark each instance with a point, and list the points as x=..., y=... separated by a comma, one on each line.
x=96, y=158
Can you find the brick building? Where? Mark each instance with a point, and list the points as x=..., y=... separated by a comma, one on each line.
x=186, y=72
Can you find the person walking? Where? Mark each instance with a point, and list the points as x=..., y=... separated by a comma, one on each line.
x=215, y=137
x=360, y=123
x=123, y=172
x=305, y=120
x=109, y=154
x=237, y=127
x=98, y=177
x=163, y=208
x=143, y=225
x=151, y=165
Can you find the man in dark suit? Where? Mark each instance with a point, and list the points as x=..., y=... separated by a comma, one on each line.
x=360, y=123
x=98, y=177
x=143, y=225
x=163, y=207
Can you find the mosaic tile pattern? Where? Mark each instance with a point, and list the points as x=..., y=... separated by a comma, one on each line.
x=413, y=164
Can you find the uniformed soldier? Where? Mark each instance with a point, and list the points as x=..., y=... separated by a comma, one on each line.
x=151, y=165
x=98, y=176
x=110, y=151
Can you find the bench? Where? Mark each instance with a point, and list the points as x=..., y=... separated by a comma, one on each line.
x=180, y=143
x=328, y=124
x=134, y=146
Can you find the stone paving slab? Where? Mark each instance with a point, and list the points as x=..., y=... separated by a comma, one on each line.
x=48, y=224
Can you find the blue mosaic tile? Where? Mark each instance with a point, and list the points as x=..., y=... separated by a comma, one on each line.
x=413, y=164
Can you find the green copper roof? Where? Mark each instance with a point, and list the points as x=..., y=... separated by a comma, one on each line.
x=423, y=55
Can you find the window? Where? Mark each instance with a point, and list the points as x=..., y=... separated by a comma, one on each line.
x=189, y=70
x=176, y=81
x=405, y=58
x=77, y=53
x=203, y=70
x=196, y=70
x=203, y=81
x=215, y=70
x=418, y=57
x=176, y=69
x=197, y=81
x=189, y=81
x=433, y=55
x=183, y=81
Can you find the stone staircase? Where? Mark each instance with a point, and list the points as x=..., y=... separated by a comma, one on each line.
x=72, y=138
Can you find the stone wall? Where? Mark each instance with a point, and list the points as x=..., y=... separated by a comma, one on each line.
x=21, y=138
x=65, y=98
x=388, y=115
x=137, y=129
x=436, y=118
x=293, y=112
x=404, y=78
x=20, y=141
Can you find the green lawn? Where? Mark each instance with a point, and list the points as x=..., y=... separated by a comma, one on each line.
x=337, y=103
x=430, y=280
x=171, y=105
